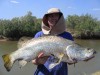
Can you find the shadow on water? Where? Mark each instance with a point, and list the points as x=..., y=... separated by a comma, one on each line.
x=81, y=68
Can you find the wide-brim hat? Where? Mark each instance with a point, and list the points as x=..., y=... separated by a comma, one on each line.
x=58, y=28
x=51, y=11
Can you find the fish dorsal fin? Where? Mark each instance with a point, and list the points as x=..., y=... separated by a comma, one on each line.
x=23, y=41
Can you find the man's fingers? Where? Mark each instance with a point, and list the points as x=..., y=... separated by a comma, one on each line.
x=40, y=55
x=34, y=61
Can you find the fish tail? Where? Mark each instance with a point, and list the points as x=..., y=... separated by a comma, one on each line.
x=7, y=62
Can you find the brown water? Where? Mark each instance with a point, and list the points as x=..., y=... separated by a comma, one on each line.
x=81, y=68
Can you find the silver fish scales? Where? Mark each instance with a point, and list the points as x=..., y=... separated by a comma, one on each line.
x=62, y=49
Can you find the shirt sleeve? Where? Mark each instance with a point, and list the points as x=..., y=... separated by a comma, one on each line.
x=48, y=62
x=38, y=34
x=70, y=37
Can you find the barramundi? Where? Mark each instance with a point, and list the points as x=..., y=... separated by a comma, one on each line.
x=62, y=49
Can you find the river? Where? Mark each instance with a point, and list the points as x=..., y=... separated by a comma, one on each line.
x=81, y=68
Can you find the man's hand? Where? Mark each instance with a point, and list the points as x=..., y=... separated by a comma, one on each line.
x=40, y=59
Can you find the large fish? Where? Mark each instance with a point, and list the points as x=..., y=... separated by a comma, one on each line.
x=62, y=49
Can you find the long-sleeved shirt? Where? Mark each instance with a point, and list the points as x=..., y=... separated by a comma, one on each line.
x=60, y=69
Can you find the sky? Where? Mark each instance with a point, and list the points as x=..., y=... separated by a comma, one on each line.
x=18, y=8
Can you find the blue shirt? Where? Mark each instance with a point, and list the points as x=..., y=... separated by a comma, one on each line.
x=60, y=69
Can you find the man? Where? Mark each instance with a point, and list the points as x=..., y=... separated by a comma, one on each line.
x=53, y=23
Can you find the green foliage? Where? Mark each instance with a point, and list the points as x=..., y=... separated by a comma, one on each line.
x=84, y=25
x=26, y=25
x=72, y=21
x=97, y=27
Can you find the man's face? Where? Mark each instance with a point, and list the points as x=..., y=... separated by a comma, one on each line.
x=53, y=19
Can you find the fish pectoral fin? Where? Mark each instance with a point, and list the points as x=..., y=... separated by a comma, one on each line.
x=59, y=59
x=22, y=63
x=60, y=56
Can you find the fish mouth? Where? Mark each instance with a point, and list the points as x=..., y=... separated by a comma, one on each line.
x=94, y=52
x=89, y=58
